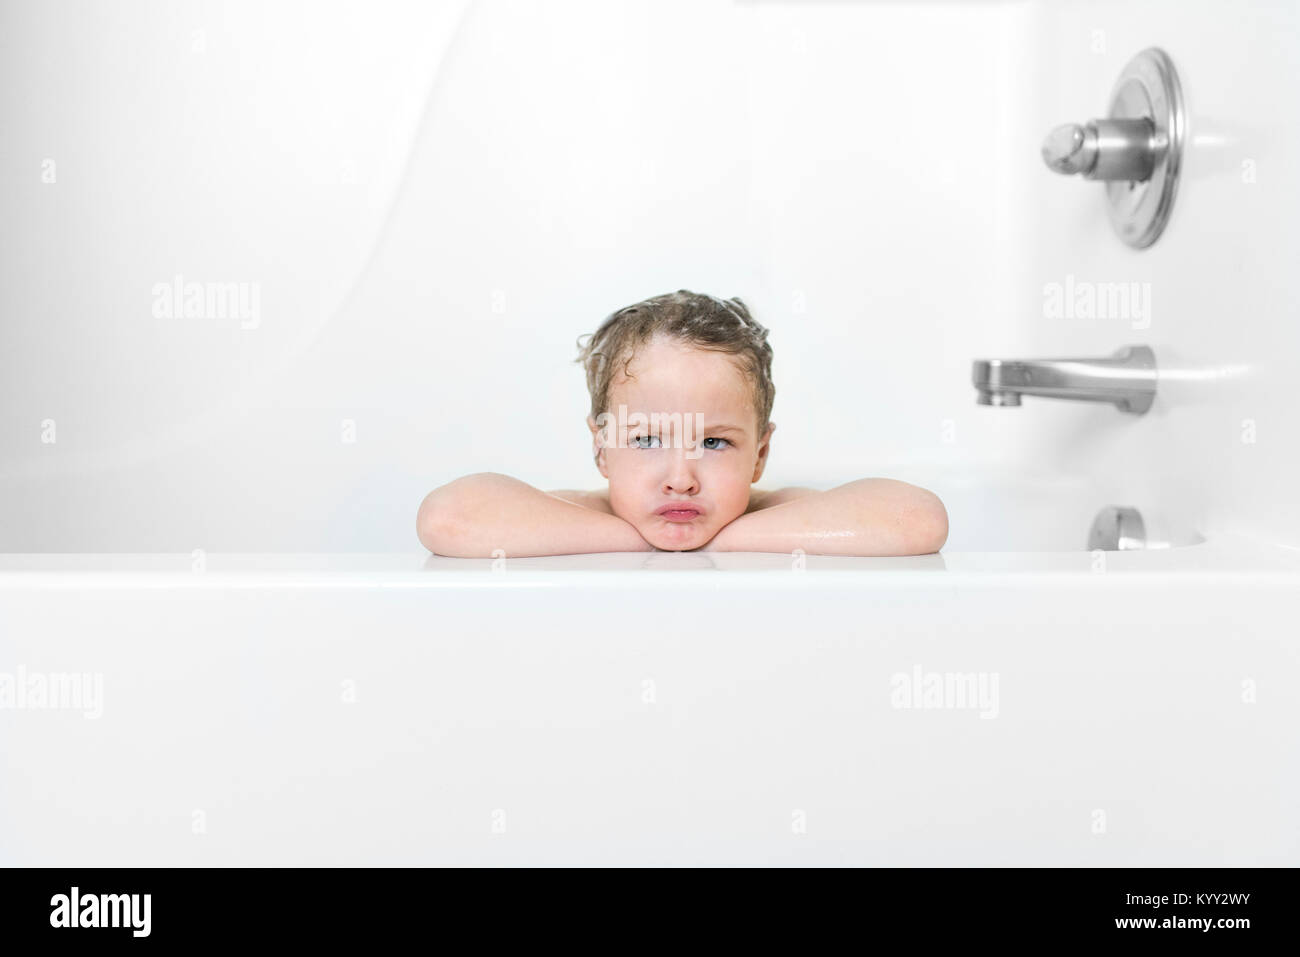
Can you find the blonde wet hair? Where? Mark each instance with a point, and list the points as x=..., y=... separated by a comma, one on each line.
x=696, y=319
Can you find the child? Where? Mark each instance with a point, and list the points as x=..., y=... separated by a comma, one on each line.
x=681, y=394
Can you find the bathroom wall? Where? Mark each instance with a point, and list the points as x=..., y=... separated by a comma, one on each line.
x=1217, y=450
x=429, y=203
x=433, y=203
x=254, y=144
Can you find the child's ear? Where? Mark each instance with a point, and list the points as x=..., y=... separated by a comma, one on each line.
x=764, y=446
x=597, y=449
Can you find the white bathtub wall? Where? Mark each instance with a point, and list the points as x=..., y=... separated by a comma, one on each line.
x=1224, y=301
x=433, y=202
x=253, y=143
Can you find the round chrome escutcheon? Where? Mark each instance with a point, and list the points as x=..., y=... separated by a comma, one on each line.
x=1149, y=88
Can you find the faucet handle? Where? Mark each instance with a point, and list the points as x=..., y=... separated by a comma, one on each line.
x=1114, y=149
x=1071, y=148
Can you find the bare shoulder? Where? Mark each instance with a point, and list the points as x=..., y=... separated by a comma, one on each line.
x=597, y=501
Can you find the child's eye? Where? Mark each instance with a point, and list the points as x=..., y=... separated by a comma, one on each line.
x=637, y=443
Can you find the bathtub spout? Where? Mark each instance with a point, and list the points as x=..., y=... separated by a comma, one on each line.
x=993, y=397
x=1128, y=379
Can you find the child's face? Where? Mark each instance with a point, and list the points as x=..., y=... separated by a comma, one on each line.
x=712, y=469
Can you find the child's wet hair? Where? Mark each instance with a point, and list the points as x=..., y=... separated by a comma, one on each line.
x=697, y=319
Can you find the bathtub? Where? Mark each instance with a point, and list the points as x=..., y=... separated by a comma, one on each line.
x=1030, y=703
x=220, y=642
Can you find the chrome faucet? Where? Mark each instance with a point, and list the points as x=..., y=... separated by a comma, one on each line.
x=1128, y=378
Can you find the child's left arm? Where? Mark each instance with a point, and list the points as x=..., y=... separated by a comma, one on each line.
x=871, y=516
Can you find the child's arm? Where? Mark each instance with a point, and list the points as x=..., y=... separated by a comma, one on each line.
x=760, y=499
x=596, y=500
x=873, y=516
x=476, y=514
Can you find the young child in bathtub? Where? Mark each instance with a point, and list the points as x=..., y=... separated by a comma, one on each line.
x=657, y=371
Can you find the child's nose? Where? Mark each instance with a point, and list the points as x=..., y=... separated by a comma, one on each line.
x=681, y=478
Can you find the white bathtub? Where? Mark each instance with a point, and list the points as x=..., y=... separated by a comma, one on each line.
x=1137, y=708
x=448, y=201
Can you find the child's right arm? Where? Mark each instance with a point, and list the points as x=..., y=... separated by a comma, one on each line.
x=476, y=514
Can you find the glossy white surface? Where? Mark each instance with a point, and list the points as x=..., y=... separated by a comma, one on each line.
x=671, y=708
x=1223, y=559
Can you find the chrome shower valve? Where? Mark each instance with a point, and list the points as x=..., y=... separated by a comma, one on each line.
x=1136, y=151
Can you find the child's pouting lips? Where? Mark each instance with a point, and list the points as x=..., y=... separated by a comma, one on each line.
x=679, y=512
